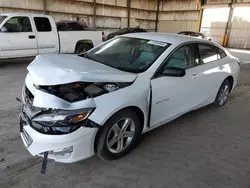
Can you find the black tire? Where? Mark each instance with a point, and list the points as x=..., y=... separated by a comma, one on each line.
x=218, y=103
x=81, y=48
x=102, y=140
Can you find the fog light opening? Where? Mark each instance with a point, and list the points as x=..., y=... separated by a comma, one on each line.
x=62, y=152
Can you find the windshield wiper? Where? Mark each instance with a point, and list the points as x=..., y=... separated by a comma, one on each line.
x=126, y=69
x=84, y=55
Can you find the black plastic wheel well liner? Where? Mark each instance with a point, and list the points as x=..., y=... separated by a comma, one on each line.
x=231, y=80
x=88, y=42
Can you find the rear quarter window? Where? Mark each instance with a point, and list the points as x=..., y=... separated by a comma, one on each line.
x=209, y=53
x=42, y=24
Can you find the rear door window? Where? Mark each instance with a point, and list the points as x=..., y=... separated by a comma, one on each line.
x=42, y=24
x=210, y=53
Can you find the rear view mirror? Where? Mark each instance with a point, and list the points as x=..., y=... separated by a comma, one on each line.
x=4, y=29
x=174, y=71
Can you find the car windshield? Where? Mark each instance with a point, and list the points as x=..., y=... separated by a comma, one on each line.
x=2, y=18
x=128, y=54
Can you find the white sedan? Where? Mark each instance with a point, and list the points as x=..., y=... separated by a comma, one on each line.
x=102, y=101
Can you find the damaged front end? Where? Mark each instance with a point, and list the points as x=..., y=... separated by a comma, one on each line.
x=53, y=121
x=58, y=119
x=62, y=109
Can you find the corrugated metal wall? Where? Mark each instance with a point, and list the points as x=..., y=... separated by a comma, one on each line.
x=175, y=15
x=240, y=29
x=214, y=23
x=240, y=35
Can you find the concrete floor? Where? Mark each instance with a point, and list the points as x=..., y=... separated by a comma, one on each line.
x=207, y=148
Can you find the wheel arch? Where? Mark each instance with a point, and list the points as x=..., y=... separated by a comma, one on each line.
x=139, y=112
x=89, y=42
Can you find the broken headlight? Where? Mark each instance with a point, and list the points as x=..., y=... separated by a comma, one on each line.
x=63, y=118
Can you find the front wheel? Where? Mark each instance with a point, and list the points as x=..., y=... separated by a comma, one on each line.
x=119, y=135
x=223, y=93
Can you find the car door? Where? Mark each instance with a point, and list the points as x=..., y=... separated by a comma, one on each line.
x=17, y=38
x=213, y=69
x=175, y=95
x=47, y=36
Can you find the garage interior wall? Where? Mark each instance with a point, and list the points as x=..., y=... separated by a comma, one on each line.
x=109, y=15
x=232, y=31
x=240, y=28
x=214, y=23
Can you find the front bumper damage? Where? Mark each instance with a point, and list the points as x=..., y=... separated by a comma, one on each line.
x=61, y=144
x=67, y=148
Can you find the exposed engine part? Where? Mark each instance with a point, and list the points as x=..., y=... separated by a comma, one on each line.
x=110, y=87
x=93, y=90
x=77, y=91
x=72, y=96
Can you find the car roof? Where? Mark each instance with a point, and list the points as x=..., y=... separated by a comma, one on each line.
x=164, y=37
x=24, y=14
x=69, y=21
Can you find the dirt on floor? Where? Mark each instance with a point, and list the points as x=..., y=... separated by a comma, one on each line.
x=207, y=148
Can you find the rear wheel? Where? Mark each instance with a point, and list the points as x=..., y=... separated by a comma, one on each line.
x=119, y=135
x=223, y=93
x=81, y=48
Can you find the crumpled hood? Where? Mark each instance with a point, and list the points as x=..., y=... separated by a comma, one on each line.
x=62, y=69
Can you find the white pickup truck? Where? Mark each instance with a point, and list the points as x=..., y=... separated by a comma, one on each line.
x=29, y=35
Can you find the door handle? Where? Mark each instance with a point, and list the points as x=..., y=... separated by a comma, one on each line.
x=32, y=36
x=221, y=67
x=195, y=75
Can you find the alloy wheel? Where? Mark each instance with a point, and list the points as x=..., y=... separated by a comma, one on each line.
x=120, y=135
x=224, y=94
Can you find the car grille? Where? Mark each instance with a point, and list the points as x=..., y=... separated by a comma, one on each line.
x=28, y=140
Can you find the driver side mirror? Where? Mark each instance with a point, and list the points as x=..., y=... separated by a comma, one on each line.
x=174, y=72
x=4, y=29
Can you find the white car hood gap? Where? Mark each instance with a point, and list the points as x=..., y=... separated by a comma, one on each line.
x=63, y=69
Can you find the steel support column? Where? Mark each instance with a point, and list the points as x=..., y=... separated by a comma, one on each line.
x=44, y=6
x=200, y=15
x=94, y=14
x=228, y=25
x=128, y=9
x=157, y=16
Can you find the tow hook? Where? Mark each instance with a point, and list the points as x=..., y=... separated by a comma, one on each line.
x=44, y=165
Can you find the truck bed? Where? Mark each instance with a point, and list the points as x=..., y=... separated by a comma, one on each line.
x=69, y=39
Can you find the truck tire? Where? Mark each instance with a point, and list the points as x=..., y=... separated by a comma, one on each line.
x=81, y=48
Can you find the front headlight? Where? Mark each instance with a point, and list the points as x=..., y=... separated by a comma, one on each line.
x=62, y=118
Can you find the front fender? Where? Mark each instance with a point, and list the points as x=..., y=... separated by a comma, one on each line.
x=108, y=104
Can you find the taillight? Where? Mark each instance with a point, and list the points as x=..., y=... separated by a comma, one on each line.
x=238, y=61
x=103, y=38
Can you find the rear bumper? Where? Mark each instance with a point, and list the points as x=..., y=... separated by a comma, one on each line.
x=67, y=148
